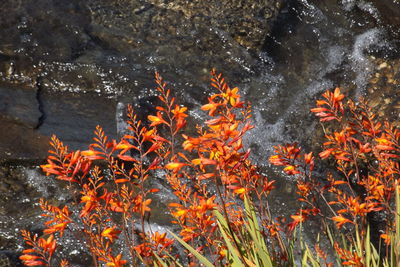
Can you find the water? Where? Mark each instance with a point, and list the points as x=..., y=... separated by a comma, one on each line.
x=319, y=48
x=89, y=79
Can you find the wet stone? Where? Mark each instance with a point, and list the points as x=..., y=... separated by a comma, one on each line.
x=20, y=104
x=9, y=259
x=21, y=187
x=383, y=88
x=74, y=117
x=245, y=21
x=72, y=55
x=389, y=11
x=15, y=191
x=180, y=34
x=26, y=25
x=20, y=72
x=13, y=187
x=19, y=141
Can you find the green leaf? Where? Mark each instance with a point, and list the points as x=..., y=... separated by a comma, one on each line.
x=200, y=257
x=232, y=250
x=368, y=248
x=253, y=228
x=159, y=260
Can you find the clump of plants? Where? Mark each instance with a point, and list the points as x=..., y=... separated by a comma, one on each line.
x=221, y=205
x=359, y=195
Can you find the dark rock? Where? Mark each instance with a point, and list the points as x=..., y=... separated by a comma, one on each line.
x=246, y=22
x=25, y=28
x=21, y=187
x=74, y=117
x=57, y=57
x=185, y=34
x=10, y=259
x=20, y=104
x=389, y=11
x=383, y=87
x=16, y=195
x=19, y=71
x=19, y=141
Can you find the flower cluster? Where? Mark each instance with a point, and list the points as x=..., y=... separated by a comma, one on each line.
x=221, y=198
x=366, y=154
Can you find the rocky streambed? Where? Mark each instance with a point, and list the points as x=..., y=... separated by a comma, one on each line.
x=69, y=65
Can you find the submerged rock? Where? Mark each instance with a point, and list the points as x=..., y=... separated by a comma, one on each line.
x=9, y=259
x=42, y=29
x=247, y=22
x=383, y=89
x=21, y=187
x=390, y=14
x=19, y=103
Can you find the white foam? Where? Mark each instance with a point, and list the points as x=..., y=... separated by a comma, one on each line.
x=360, y=61
x=122, y=125
x=39, y=181
x=348, y=5
x=311, y=14
x=369, y=8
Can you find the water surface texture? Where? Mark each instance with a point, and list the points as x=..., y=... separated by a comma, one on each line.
x=69, y=65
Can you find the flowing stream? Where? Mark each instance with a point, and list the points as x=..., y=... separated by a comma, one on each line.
x=80, y=63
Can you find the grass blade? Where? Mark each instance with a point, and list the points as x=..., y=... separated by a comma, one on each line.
x=200, y=257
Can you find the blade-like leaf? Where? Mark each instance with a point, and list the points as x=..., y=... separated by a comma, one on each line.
x=200, y=257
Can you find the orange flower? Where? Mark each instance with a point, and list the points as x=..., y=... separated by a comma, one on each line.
x=207, y=204
x=268, y=185
x=204, y=161
x=340, y=221
x=212, y=107
x=277, y=160
x=156, y=120
x=111, y=233
x=91, y=201
x=308, y=158
x=291, y=170
x=145, y=206
x=116, y=261
x=60, y=227
x=180, y=213
x=175, y=166
x=386, y=238
x=143, y=250
x=179, y=112
x=298, y=218
x=161, y=239
x=326, y=153
x=92, y=154
x=231, y=96
x=30, y=259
